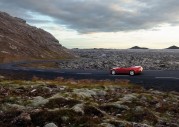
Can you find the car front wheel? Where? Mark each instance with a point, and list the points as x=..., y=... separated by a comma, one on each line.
x=131, y=73
x=113, y=72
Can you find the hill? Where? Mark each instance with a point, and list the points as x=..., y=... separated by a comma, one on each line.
x=173, y=47
x=137, y=47
x=20, y=41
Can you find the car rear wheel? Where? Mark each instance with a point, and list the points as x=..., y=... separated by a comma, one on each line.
x=113, y=72
x=131, y=73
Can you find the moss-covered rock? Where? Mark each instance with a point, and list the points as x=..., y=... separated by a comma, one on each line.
x=85, y=104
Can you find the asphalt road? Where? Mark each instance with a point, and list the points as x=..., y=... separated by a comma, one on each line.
x=166, y=80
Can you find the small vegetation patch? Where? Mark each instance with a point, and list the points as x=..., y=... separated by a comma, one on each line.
x=61, y=102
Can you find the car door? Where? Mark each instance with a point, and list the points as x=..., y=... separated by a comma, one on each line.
x=122, y=70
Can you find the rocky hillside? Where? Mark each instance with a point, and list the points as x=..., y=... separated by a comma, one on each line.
x=20, y=41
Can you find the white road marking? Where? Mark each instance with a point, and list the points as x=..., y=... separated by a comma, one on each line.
x=167, y=78
x=83, y=73
x=52, y=71
x=153, y=70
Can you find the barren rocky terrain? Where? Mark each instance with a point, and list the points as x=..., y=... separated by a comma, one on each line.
x=20, y=41
x=85, y=103
x=166, y=59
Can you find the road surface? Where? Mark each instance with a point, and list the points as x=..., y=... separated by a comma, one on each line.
x=167, y=80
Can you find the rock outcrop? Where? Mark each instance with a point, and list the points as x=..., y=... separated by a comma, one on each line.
x=20, y=41
x=137, y=47
x=173, y=47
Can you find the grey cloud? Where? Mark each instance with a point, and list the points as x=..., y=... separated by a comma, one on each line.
x=37, y=21
x=99, y=15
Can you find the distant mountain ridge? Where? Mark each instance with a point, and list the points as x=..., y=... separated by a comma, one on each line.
x=137, y=47
x=20, y=41
x=173, y=47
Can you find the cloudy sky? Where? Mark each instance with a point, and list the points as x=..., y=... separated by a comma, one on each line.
x=102, y=23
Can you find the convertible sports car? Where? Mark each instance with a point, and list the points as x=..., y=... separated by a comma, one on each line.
x=127, y=70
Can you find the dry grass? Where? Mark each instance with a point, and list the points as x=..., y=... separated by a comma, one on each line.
x=72, y=83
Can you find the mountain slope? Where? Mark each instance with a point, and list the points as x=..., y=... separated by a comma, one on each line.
x=20, y=41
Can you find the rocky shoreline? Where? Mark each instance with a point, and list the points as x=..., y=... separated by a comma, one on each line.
x=107, y=58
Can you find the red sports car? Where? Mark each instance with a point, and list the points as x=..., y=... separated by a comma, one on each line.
x=127, y=70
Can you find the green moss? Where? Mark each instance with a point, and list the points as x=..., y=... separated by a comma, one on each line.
x=74, y=119
x=61, y=102
x=10, y=100
x=140, y=116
